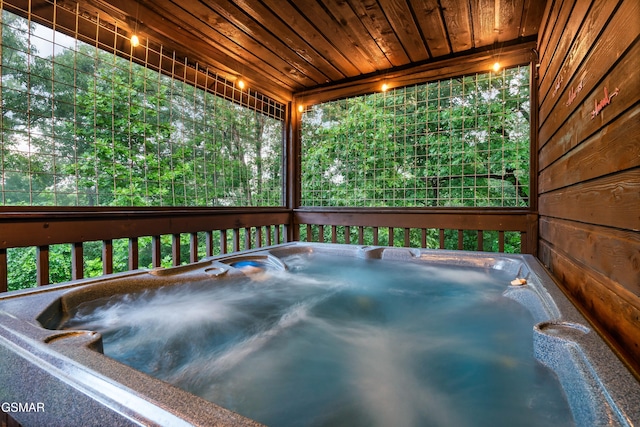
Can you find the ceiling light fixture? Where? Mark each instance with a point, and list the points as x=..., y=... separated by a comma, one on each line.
x=241, y=84
x=135, y=40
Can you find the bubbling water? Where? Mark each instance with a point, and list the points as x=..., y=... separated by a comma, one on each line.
x=341, y=342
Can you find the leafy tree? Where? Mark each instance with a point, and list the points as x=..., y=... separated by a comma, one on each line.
x=84, y=127
x=461, y=142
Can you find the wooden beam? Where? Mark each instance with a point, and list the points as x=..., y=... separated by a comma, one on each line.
x=510, y=56
x=33, y=226
x=462, y=219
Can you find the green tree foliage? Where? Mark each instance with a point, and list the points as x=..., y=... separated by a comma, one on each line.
x=458, y=142
x=462, y=142
x=84, y=127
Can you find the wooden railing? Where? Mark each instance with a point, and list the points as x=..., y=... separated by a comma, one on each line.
x=449, y=228
x=227, y=230
x=234, y=229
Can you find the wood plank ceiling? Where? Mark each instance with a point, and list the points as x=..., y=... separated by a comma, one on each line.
x=281, y=47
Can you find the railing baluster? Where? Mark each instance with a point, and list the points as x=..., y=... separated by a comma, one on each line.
x=208, y=242
x=500, y=241
x=423, y=238
x=193, y=247
x=175, y=249
x=236, y=240
x=107, y=256
x=334, y=234
x=156, y=251
x=375, y=236
x=309, y=233
x=77, y=261
x=42, y=265
x=321, y=233
x=407, y=240
x=258, y=237
x=391, y=236
x=268, y=235
x=480, y=240
x=4, y=272
x=223, y=242
x=277, y=234
x=347, y=234
x=247, y=238
x=134, y=254
x=441, y=235
x=460, y=240
x=361, y=235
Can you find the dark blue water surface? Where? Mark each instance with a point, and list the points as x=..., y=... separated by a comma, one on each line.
x=341, y=342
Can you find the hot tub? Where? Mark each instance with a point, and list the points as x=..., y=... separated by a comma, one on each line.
x=57, y=369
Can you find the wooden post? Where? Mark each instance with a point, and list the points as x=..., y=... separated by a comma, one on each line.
x=291, y=166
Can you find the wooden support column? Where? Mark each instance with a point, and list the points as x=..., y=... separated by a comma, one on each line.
x=236, y=240
x=292, y=176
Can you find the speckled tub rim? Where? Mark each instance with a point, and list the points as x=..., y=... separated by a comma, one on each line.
x=40, y=363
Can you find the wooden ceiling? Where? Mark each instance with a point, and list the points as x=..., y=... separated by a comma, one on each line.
x=281, y=47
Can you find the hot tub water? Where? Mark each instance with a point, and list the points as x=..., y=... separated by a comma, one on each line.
x=341, y=341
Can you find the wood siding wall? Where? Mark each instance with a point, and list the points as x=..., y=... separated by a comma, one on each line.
x=589, y=160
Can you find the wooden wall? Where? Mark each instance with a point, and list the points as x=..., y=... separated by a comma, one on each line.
x=589, y=160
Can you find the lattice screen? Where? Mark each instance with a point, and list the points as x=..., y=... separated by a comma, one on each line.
x=81, y=126
x=456, y=142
